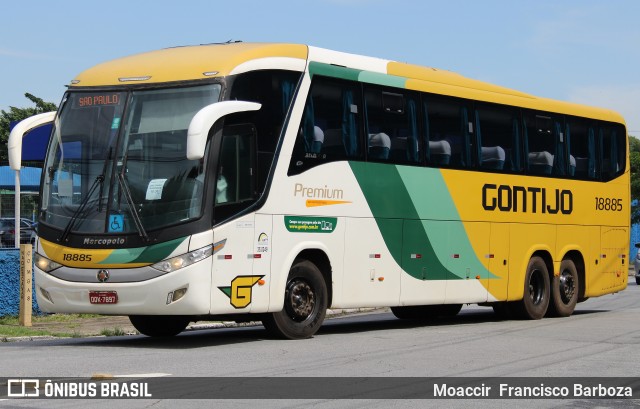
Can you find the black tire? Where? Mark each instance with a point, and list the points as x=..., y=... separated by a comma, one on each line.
x=447, y=310
x=638, y=280
x=159, y=325
x=305, y=304
x=537, y=289
x=564, y=290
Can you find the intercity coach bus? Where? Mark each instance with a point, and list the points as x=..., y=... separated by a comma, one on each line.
x=273, y=181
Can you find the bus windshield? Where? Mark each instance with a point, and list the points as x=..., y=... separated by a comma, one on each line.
x=117, y=161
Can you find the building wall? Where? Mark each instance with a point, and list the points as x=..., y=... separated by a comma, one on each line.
x=10, y=283
x=635, y=238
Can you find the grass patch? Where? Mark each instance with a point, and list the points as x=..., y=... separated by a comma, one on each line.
x=10, y=320
x=10, y=326
x=11, y=331
x=115, y=332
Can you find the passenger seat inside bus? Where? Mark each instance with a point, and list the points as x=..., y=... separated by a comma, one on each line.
x=379, y=146
x=541, y=162
x=493, y=157
x=572, y=165
x=318, y=140
x=439, y=152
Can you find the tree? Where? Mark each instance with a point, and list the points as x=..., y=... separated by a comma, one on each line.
x=18, y=114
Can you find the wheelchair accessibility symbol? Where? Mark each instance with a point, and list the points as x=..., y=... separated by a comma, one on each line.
x=116, y=223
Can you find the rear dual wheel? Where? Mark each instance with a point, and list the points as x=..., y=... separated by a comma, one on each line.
x=564, y=290
x=543, y=296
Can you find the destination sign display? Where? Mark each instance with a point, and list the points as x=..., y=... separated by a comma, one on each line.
x=95, y=100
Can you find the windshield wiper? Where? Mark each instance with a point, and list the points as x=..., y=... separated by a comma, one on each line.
x=134, y=214
x=124, y=186
x=99, y=180
x=104, y=171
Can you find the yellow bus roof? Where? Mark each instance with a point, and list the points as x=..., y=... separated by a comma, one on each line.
x=219, y=60
x=183, y=63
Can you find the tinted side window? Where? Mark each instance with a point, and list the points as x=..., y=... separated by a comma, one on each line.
x=448, y=132
x=498, y=136
x=274, y=91
x=236, y=183
x=392, y=125
x=612, y=141
x=544, y=144
x=581, y=141
x=330, y=126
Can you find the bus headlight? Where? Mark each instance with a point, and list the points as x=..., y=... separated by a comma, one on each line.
x=44, y=263
x=184, y=260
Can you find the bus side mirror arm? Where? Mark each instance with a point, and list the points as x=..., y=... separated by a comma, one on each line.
x=14, y=144
x=204, y=119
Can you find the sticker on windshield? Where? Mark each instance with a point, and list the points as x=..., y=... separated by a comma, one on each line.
x=154, y=190
x=116, y=223
x=65, y=187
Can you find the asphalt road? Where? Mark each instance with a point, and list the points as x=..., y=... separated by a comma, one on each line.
x=602, y=338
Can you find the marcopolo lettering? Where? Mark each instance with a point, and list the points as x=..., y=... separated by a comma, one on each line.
x=505, y=198
x=104, y=241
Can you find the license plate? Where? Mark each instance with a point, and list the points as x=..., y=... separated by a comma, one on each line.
x=103, y=297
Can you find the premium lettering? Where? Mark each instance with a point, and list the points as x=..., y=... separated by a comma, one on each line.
x=317, y=192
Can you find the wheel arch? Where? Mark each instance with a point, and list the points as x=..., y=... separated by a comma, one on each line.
x=321, y=260
x=315, y=252
x=548, y=261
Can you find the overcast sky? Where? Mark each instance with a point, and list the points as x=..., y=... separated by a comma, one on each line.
x=582, y=51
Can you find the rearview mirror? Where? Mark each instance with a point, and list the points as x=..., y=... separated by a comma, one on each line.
x=204, y=119
x=14, y=144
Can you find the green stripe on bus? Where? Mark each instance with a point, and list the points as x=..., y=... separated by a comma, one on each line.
x=382, y=79
x=328, y=70
x=430, y=195
x=421, y=245
x=150, y=254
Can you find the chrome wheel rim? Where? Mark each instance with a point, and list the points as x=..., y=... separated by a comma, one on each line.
x=567, y=286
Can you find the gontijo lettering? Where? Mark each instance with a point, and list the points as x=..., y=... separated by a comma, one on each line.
x=530, y=199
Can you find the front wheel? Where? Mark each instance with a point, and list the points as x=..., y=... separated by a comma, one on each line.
x=305, y=304
x=159, y=325
x=564, y=290
x=535, y=301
